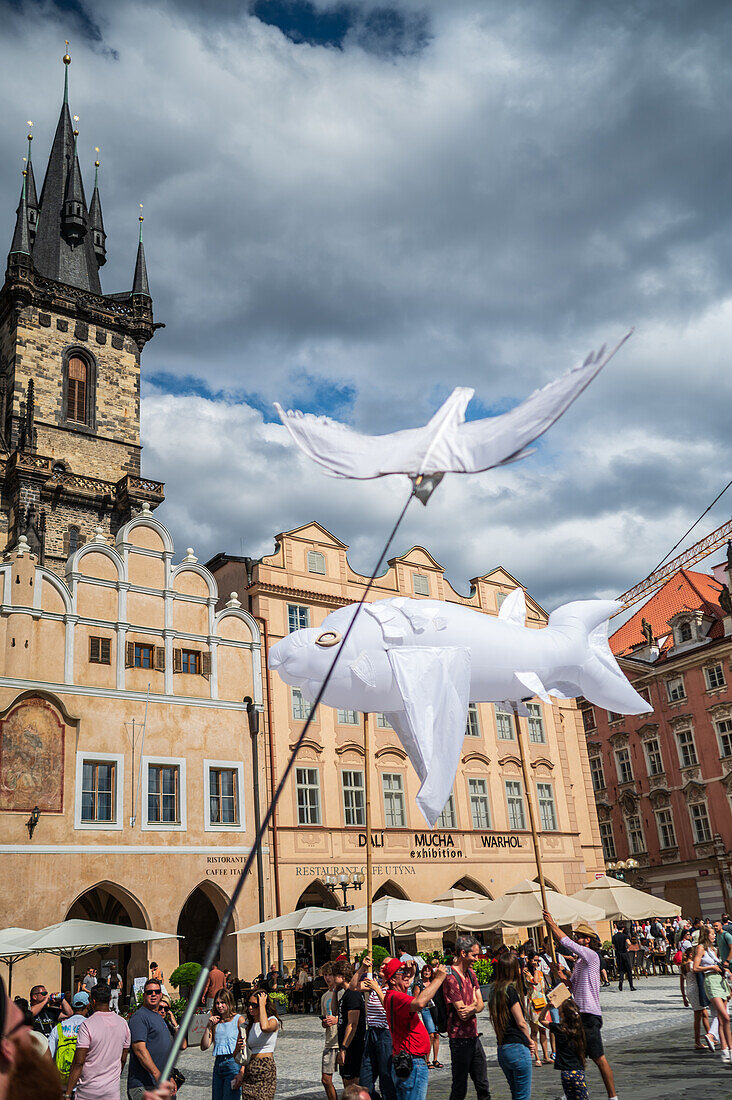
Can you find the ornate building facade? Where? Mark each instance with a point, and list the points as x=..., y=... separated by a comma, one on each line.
x=663, y=782
x=69, y=367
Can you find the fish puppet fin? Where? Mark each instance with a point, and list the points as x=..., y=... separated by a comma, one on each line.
x=363, y=669
x=533, y=684
x=434, y=683
x=513, y=608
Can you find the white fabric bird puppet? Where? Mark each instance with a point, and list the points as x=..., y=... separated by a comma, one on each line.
x=446, y=444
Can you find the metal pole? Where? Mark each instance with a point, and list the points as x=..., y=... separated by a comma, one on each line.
x=369, y=868
x=532, y=819
x=253, y=717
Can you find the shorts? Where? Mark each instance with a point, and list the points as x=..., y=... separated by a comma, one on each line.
x=329, y=1061
x=428, y=1021
x=352, y=1066
x=715, y=986
x=592, y=1025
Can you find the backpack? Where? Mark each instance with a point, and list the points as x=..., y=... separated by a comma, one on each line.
x=439, y=1008
x=65, y=1050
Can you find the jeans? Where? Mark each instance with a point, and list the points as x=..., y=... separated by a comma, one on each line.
x=224, y=1071
x=515, y=1061
x=376, y=1063
x=468, y=1060
x=114, y=1000
x=413, y=1087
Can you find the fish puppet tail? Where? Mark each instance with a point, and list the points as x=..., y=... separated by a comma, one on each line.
x=597, y=675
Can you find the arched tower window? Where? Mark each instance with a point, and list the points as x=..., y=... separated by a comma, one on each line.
x=79, y=382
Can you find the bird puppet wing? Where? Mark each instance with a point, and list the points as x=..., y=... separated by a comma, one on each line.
x=446, y=444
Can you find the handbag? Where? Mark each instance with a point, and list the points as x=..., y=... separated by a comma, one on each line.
x=178, y=1078
x=538, y=1002
x=402, y=1062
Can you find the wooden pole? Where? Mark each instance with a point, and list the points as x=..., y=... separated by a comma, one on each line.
x=369, y=869
x=532, y=819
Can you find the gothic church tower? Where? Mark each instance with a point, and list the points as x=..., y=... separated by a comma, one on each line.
x=69, y=368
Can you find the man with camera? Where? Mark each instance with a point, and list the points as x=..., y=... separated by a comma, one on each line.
x=410, y=1041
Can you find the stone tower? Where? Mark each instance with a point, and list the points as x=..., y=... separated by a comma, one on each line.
x=69, y=368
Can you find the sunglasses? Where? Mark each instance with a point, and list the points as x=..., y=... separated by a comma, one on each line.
x=152, y=989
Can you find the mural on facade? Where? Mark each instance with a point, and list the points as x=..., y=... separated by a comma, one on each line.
x=32, y=758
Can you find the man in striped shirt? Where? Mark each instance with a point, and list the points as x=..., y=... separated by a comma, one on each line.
x=377, y=1051
x=585, y=985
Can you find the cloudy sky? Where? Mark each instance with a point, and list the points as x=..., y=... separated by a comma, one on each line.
x=352, y=207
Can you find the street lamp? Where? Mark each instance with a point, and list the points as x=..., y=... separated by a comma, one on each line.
x=346, y=882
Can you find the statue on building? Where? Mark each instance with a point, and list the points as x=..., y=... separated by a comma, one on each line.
x=725, y=600
x=647, y=631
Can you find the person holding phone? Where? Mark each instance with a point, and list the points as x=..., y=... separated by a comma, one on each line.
x=258, y=1078
x=222, y=1032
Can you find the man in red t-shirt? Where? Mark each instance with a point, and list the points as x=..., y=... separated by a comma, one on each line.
x=464, y=1001
x=408, y=1033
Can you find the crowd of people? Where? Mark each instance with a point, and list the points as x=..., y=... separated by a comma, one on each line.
x=381, y=1029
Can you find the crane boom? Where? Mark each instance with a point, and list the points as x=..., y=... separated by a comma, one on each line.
x=688, y=557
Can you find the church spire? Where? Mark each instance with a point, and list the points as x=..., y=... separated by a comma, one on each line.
x=21, y=237
x=30, y=189
x=140, y=285
x=96, y=224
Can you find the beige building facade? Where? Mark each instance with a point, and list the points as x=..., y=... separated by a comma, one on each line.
x=124, y=733
x=482, y=840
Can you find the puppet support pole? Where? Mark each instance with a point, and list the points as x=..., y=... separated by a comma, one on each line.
x=369, y=855
x=532, y=818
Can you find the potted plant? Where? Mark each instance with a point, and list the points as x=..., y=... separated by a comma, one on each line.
x=184, y=978
x=280, y=1000
x=484, y=972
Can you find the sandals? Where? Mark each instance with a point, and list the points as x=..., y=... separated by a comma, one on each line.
x=437, y=1065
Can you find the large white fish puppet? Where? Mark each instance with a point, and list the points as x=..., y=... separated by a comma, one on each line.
x=421, y=662
x=446, y=444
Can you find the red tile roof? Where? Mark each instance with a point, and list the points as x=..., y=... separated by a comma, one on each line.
x=686, y=590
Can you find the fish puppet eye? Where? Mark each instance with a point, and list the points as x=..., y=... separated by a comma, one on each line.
x=328, y=638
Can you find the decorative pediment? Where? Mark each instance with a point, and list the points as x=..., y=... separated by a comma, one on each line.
x=660, y=799
x=476, y=758
x=649, y=729
x=694, y=792
x=594, y=748
x=620, y=740
x=727, y=783
x=420, y=557
x=628, y=803
x=542, y=762
x=309, y=750
x=681, y=721
x=349, y=746
x=312, y=532
x=390, y=750
x=720, y=711
x=657, y=781
x=515, y=760
x=604, y=813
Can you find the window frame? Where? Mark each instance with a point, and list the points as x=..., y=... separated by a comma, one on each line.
x=472, y=726
x=687, y=730
x=144, y=646
x=596, y=763
x=179, y=826
x=607, y=840
x=347, y=721
x=515, y=798
x=89, y=423
x=209, y=826
x=503, y=714
x=673, y=697
x=441, y=823
x=418, y=587
x=307, y=707
x=618, y=765
x=353, y=788
x=311, y=557
x=298, y=608
x=100, y=758
x=721, y=734
x=665, y=824
x=588, y=716
x=401, y=792
x=544, y=801
x=101, y=646
x=716, y=668
x=701, y=805
x=475, y=796
x=635, y=830
x=534, y=716
x=651, y=753
x=307, y=785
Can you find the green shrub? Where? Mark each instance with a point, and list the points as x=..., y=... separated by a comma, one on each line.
x=178, y=1008
x=185, y=975
x=483, y=970
x=607, y=946
x=378, y=955
x=278, y=998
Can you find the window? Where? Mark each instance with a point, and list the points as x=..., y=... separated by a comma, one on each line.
x=479, y=808
x=300, y=709
x=448, y=817
x=98, y=791
x=163, y=794
x=143, y=656
x=421, y=584
x=307, y=783
x=100, y=650
x=382, y=722
x=473, y=727
x=347, y=717
x=588, y=719
x=74, y=543
x=598, y=773
x=608, y=841
x=223, y=783
x=645, y=693
x=536, y=723
x=636, y=843
x=316, y=562
x=724, y=732
x=76, y=394
x=653, y=756
x=547, y=809
x=700, y=823
x=298, y=618
x=685, y=632
x=392, y=786
x=223, y=796
x=675, y=689
x=190, y=661
x=504, y=725
x=687, y=748
x=500, y=597
x=354, y=798
x=666, y=831
x=714, y=676
x=625, y=770
x=613, y=716
x=515, y=800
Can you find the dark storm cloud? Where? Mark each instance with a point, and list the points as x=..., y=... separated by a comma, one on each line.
x=352, y=207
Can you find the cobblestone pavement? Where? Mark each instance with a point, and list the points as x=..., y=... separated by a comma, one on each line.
x=648, y=1039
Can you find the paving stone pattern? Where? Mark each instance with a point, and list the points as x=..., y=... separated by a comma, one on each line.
x=648, y=1039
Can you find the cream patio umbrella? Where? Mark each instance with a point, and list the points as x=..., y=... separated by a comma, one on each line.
x=521, y=907
x=71, y=938
x=307, y=920
x=454, y=903
x=391, y=913
x=13, y=949
x=621, y=901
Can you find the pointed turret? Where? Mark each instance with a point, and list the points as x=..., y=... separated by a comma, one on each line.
x=63, y=250
x=140, y=285
x=21, y=245
x=96, y=223
x=30, y=190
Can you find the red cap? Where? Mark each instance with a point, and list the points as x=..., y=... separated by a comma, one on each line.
x=390, y=968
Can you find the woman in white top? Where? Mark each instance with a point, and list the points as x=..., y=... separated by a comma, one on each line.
x=258, y=1078
x=690, y=995
x=716, y=989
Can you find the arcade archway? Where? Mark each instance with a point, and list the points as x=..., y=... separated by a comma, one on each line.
x=472, y=886
x=199, y=918
x=109, y=903
x=317, y=895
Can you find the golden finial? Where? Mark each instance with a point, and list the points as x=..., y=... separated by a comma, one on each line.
x=25, y=173
x=96, y=150
x=141, y=207
x=30, y=136
x=67, y=59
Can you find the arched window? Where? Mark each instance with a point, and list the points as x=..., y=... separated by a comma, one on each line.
x=685, y=632
x=76, y=394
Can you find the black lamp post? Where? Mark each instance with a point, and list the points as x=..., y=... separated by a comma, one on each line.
x=346, y=882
